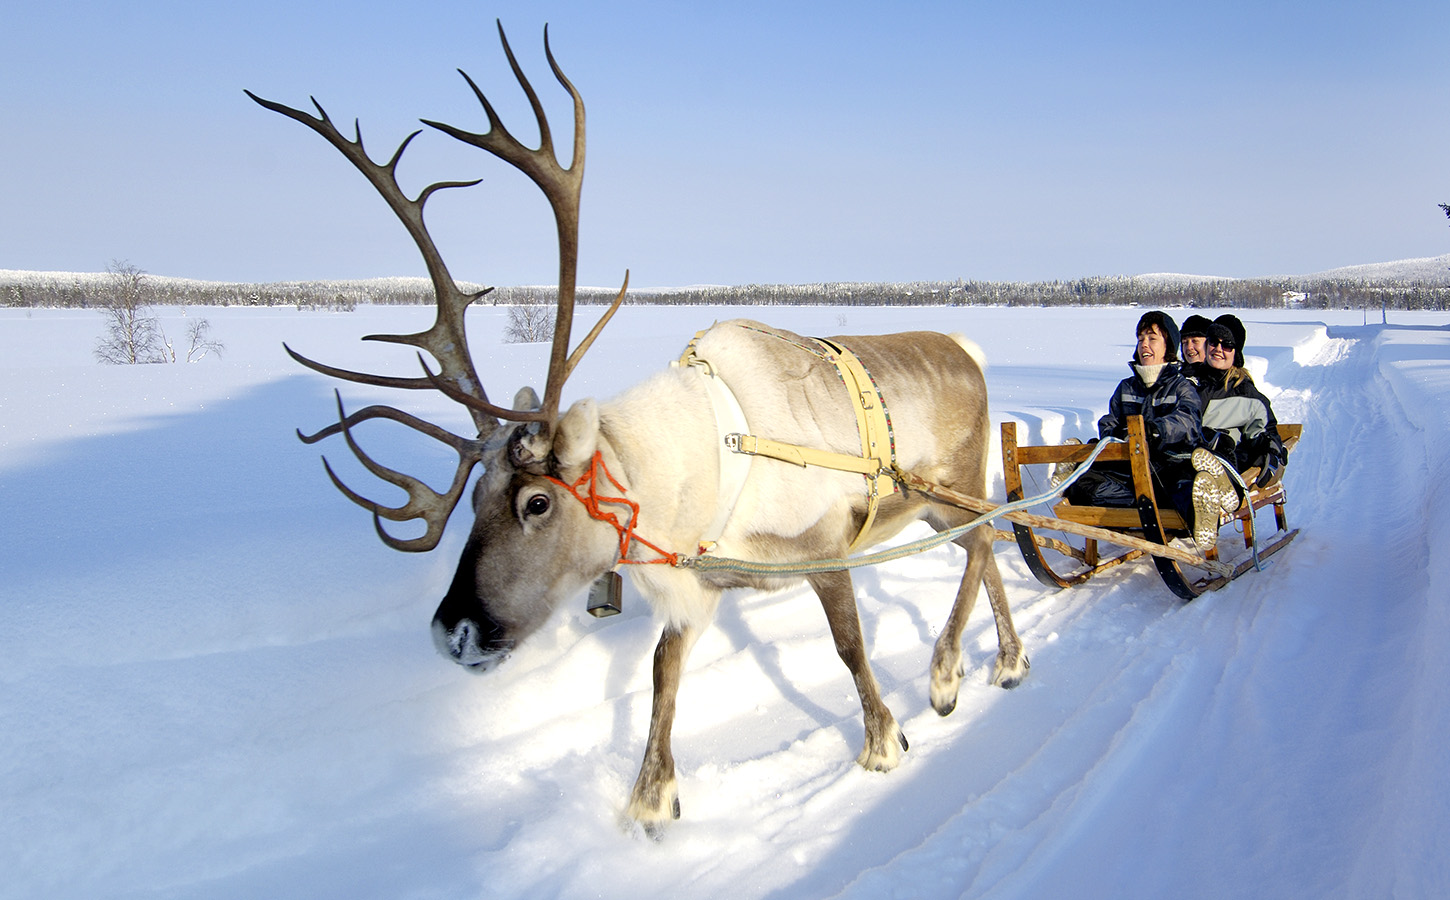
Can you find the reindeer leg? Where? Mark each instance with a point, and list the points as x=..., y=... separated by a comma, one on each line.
x=1012, y=662
x=656, y=797
x=946, y=657
x=884, y=740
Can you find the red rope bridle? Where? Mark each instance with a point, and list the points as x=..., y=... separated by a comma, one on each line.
x=585, y=489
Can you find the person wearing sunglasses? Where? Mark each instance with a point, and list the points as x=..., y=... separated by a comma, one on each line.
x=1239, y=427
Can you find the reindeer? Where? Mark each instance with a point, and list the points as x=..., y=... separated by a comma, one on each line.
x=565, y=499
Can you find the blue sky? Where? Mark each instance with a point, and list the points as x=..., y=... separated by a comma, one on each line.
x=732, y=143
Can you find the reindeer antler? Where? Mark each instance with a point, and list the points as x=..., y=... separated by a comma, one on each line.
x=561, y=185
x=447, y=340
x=423, y=502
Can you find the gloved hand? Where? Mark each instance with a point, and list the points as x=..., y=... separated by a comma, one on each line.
x=1271, y=469
x=1219, y=443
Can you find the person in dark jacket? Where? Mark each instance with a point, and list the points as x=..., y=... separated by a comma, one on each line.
x=1157, y=390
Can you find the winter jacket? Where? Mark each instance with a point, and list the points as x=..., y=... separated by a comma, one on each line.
x=1171, y=410
x=1238, y=421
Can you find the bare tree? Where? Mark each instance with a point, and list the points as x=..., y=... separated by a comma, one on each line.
x=529, y=323
x=133, y=335
x=198, y=334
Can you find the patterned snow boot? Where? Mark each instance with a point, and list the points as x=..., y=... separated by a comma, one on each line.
x=1213, y=495
x=1063, y=470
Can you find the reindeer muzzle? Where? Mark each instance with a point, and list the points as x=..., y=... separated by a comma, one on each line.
x=470, y=645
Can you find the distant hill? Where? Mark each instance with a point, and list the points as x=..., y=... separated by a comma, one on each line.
x=1432, y=270
x=1178, y=278
x=1427, y=269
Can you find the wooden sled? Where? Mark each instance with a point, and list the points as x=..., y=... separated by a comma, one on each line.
x=1061, y=562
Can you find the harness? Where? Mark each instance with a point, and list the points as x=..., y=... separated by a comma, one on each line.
x=873, y=423
x=729, y=421
x=877, y=462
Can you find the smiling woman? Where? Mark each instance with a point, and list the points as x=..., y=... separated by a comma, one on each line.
x=1158, y=391
x=1238, y=420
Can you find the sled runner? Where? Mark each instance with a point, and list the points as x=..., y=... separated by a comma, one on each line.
x=1064, y=562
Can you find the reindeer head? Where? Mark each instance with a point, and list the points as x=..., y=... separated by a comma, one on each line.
x=531, y=543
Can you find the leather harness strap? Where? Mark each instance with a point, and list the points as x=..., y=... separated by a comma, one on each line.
x=729, y=419
x=878, y=447
x=877, y=461
x=873, y=426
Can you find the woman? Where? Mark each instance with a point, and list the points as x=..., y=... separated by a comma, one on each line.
x=1238, y=425
x=1171, y=410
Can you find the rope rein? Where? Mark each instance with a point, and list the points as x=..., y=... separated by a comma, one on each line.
x=585, y=489
x=722, y=564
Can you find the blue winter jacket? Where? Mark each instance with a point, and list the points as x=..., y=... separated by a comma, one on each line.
x=1171, y=410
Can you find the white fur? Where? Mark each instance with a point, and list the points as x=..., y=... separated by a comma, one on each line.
x=974, y=350
x=663, y=431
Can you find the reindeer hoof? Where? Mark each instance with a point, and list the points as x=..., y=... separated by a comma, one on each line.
x=1009, y=676
x=944, y=690
x=655, y=831
x=654, y=810
x=886, y=756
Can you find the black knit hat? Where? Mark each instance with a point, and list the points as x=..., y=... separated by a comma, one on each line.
x=1194, y=326
x=1237, y=332
x=1166, y=325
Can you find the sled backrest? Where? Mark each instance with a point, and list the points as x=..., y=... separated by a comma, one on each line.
x=1134, y=451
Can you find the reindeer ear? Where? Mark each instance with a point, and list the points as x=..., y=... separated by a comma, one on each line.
x=526, y=399
x=577, y=435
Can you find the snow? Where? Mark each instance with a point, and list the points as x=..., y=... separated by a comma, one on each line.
x=218, y=683
x=1173, y=278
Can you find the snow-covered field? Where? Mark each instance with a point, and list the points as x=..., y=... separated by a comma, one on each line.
x=215, y=682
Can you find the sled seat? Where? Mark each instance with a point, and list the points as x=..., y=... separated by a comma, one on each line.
x=1146, y=518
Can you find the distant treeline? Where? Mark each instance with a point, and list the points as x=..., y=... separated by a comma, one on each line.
x=1103, y=291
x=40, y=289
x=97, y=290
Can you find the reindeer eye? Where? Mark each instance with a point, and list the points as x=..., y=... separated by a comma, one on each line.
x=537, y=505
